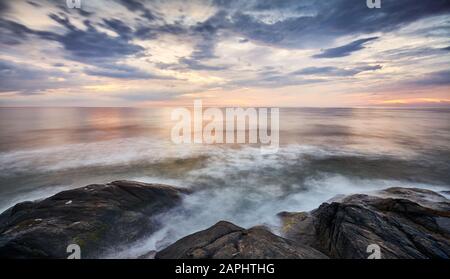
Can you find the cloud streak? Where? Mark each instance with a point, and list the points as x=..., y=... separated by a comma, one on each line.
x=345, y=50
x=334, y=71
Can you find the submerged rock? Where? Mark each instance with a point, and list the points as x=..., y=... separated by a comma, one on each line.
x=225, y=240
x=96, y=217
x=403, y=222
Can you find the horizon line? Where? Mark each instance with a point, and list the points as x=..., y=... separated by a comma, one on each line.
x=213, y=106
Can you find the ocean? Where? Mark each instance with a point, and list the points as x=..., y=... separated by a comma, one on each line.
x=323, y=152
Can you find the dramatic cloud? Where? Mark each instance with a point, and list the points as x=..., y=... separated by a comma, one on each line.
x=3, y=7
x=333, y=71
x=144, y=51
x=137, y=6
x=122, y=72
x=12, y=33
x=311, y=22
x=440, y=78
x=345, y=50
x=90, y=44
x=27, y=79
x=118, y=26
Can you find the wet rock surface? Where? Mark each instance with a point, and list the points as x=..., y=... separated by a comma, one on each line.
x=97, y=217
x=403, y=222
x=225, y=240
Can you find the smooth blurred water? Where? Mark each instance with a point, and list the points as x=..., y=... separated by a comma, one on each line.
x=323, y=152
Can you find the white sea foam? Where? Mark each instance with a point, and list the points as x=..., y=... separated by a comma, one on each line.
x=233, y=183
x=32, y=195
x=102, y=153
x=249, y=208
x=125, y=151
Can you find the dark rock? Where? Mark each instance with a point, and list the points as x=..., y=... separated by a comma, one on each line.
x=149, y=255
x=227, y=241
x=96, y=217
x=404, y=222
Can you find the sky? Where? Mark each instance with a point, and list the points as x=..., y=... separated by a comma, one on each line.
x=285, y=53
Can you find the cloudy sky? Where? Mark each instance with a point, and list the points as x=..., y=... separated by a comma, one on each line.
x=225, y=52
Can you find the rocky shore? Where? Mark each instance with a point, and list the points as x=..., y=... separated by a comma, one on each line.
x=97, y=217
x=402, y=222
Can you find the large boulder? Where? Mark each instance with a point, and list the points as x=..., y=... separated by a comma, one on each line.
x=225, y=240
x=403, y=222
x=96, y=217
